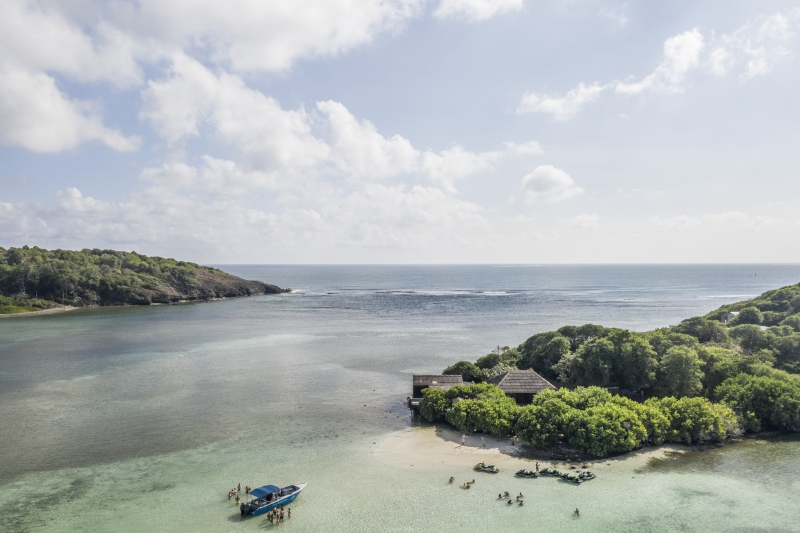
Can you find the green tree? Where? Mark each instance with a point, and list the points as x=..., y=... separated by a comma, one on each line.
x=638, y=364
x=679, y=373
x=488, y=361
x=749, y=315
x=595, y=361
x=468, y=371
x=703, y=330
x=750, y=337
x=434, y=404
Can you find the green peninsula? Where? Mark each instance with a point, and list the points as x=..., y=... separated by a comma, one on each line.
x=34, y=279
x=735, y=370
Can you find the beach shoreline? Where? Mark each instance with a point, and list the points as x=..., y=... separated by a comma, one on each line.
x=50, y=311
x=433, y=448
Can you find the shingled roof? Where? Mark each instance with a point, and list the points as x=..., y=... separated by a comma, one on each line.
x=521, y=382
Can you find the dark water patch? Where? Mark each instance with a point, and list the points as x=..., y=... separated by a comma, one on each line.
x=35, y=509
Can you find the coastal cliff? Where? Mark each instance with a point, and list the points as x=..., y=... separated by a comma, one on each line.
x=34, y=279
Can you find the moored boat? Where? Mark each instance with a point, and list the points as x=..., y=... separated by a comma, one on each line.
x=483, y=467
x=269, y=497
x=526, y=473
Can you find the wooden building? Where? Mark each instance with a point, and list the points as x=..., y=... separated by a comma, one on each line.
x=521, y=385
x=422, y=382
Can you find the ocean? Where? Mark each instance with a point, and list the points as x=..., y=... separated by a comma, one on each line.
x=141, y=419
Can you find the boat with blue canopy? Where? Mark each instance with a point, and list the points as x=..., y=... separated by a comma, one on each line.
x=269, y=497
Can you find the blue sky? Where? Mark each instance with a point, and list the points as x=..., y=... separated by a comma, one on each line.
x=402, y=131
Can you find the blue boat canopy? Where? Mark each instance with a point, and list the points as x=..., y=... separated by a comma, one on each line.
x=260, y=492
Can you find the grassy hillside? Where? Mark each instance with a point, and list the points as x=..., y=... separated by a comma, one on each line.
x=33, y=278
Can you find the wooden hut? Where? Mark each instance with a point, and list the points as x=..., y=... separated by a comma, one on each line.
x=521, y=385
x=422, y=382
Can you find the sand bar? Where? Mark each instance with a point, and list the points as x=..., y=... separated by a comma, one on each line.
x=436, y=448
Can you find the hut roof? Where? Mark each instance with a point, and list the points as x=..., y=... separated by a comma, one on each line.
x=428, y=380
x=521, y=382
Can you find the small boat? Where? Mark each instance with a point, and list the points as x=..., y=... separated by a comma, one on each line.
x=580, y=477
x=269, y=497
x=526, y=473
x=549, y=472
x=483, y=467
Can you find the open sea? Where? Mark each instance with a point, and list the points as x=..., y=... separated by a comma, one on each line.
x=141, y=419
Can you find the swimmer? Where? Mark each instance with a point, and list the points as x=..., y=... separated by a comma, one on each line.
x=577, y=512
x=451, y=479
x=520, y=503
x=509, y=502
x=506, y=494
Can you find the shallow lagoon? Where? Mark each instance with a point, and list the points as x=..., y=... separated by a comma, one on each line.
x=142, y=419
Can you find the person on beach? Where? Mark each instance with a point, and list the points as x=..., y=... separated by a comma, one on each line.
x=463, y=439
x=483, y=442
x=537, y=466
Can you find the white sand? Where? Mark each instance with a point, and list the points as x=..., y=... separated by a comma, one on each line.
x=438, y=448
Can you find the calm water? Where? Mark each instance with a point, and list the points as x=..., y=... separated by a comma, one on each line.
x=140, y=419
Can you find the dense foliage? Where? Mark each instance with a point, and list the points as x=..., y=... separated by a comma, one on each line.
x=749, y=365
x=587, y=418
x=87, y=277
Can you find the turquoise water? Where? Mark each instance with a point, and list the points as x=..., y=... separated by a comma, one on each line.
x=141, y=419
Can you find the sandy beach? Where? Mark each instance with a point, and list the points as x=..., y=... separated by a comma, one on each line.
x=42, y=312
x=439, y=448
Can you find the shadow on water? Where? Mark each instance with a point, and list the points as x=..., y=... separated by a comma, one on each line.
x=18, y=516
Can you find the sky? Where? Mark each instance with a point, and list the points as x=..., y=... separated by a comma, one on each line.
x=403, y=131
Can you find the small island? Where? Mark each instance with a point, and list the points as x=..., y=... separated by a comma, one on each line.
x=34, y=279
x=600, y=391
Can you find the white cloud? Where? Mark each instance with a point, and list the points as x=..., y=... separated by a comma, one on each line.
x=361, y=151
x=759, y=45
x=268, y=36
x=475, y=10
x=455, y=163
x=293, y=143
x=561, y=107
x=38, y=39
x=377, y=216
x=270, y=137
x=530, y=147
x=681, y=54
x=549, y=183
x=96, y=41
x=616, y=14
x=36, y=115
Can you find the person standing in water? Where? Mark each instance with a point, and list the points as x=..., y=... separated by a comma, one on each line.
x=577, y=512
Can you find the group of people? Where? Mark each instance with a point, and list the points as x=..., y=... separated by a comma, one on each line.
x=506, y=495
x=234, y=492
x=276, y=515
